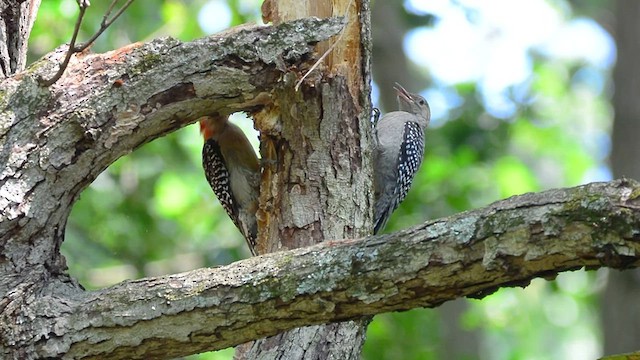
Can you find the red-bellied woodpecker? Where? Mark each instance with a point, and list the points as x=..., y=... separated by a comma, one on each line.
x=398, y=154
x=233, y=171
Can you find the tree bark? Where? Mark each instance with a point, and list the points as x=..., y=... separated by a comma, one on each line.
x=17, y=17
x=470, y=254
x=317, y=141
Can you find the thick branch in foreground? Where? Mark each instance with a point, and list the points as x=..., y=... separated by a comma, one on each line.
x=470, y=254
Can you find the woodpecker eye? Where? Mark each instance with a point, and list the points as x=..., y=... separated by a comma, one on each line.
x=421, y=102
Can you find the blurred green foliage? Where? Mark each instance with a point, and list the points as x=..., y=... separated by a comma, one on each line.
x=153, y=213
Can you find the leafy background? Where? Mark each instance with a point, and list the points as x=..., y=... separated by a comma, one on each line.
x=153, y=213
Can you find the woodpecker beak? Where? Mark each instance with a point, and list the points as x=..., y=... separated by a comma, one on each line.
x=403, y=93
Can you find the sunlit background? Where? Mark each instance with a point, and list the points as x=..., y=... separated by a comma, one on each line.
x=520, y=96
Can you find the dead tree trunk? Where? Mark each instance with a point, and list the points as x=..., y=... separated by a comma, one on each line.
x=318, y=142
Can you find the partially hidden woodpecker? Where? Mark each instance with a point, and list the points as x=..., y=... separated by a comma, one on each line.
x=399, y=148
x=233, y=171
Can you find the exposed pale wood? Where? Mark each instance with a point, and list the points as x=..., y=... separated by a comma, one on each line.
x=316, y=185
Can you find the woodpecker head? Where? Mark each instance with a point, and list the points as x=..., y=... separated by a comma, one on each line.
x=212, y=126
x=413, y=103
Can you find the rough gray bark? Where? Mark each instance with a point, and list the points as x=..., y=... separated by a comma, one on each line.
x=17, y=17
x=470, y=254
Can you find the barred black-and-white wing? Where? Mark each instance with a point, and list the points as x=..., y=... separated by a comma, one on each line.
x=219, y=176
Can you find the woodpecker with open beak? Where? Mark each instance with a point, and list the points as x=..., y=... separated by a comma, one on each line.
x=399, y=149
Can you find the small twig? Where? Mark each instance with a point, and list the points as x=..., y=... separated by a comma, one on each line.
x=109, y=10
x=83, y=4
x=626, y=206
x=106, y=22
x=329, y=50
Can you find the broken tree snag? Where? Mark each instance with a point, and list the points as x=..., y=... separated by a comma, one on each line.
x=316, y=143
x=314, y=140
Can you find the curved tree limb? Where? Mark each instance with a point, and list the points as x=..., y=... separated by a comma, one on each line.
x=55, y=141
x=470, y=254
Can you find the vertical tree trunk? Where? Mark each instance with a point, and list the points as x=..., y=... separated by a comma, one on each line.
x=622, y=328
x=317, y=177
x=17, y=17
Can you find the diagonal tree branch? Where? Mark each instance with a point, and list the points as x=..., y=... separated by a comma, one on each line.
x=470, y=254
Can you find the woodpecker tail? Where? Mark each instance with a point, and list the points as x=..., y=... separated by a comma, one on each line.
x=385, y=206
x=381, y=221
